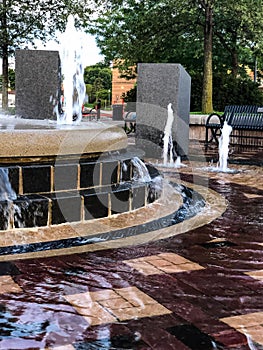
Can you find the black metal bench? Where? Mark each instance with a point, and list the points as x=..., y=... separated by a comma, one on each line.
x=240, y=117
x=90, y=114
x=130, y=122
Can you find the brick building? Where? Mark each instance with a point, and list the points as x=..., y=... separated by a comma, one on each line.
x=120, y=86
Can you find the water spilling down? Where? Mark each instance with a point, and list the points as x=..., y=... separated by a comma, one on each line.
x=6, y=191
x=141, y=172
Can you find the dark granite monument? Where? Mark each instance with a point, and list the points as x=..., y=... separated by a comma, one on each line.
x=38, y=82
x=157, y=86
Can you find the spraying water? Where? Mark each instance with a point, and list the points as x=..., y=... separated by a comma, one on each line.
x=72, y=70
x=224, y=147
x=6, y=191
x=167, y=139
x=141, y=172
x=168, y=149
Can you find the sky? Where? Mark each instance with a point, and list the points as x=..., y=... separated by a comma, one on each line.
x=91, y=51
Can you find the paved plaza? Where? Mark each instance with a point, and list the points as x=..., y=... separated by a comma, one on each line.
x=195, y=286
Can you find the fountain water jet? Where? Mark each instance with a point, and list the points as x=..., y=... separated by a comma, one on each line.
x=64, y=172
x=168, y=149
x=224, y=147
x=72, y=71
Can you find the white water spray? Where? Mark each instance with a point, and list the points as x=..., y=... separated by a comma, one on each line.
x=72, y=70
x=6, y=191
x=167, y=139
x=168, y=150
x=141, y=172
x=224, y=147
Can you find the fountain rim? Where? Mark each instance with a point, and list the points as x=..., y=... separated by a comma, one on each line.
x=215, y=206
x=32, y=140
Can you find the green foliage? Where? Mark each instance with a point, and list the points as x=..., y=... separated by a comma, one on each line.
x=228, y=90
x=98, y=81
x=11, y=78
x=172, y=31
x=130, y=98
x=22, y=22
x=240, y=91
x=25, y=21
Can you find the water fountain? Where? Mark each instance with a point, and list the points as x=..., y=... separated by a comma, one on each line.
x=72, y=70
x=67, y=171
x=223, y=152
x=78, y=184
x=224, y=147
x=168, y=149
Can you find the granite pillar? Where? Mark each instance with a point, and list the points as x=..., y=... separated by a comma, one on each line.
x=157, y=86
x=38, y=82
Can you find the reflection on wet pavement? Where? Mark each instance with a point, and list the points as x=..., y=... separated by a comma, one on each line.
x=198, y=289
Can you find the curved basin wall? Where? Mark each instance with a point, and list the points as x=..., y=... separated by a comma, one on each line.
x=70, y=190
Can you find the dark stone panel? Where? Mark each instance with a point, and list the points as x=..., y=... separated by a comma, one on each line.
x=192, y=337
x=153, y=172
x=38, y=82
x=89, y=174
x=125, y=170
x=31, y=211
x=120, y=199
x=118, y=341
x=7, y=268
x=153, y=192
x=158, y=85
x=138, y=197
x=95, y=205
x=5, y=214
x=13, y=175
x=109, y=173
x=65, y=177
x=66, y=207
x=36, y=178
x=220, y=244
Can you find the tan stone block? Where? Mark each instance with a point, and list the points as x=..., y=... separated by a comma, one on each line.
x=159, y=263
x=174, y=258
x=143, y=267
x=117, y=303
x=135, y=296
x=140, y=312
x=95, y=314
x=181, y=268
x=258, y=274
x=7, y=285
x=244, y=321
x=103, y=294
x=256, y=334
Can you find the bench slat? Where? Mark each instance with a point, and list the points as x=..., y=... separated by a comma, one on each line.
x=240, y=117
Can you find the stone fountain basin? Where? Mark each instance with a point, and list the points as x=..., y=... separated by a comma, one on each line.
x=34, y=138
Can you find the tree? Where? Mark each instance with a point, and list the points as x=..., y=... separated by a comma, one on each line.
x=22, y=22
x=185, y=31
x=98, y=78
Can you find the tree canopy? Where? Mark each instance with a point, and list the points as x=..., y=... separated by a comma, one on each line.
x=22, y=22
x=202, y=35
x=98, y=80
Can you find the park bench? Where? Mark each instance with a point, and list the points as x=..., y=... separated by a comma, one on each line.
x=242, y=119
x=130, y=122
x=90, y=114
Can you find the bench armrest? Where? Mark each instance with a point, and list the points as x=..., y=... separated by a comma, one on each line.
x=219, y=121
